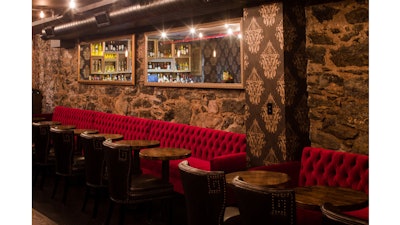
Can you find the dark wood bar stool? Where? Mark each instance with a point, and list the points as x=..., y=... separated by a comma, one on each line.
x=43, y=157
x=67, y=164
x=260, y=205
x=128, y=189
x=95, y=168
x=205, y=197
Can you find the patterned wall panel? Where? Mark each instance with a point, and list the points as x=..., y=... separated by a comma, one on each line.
x=274, y=67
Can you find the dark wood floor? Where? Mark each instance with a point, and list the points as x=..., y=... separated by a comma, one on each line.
x=71, y=214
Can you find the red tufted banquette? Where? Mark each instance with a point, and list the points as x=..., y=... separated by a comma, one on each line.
x=73, y=116
x=319, y=166
x=211, y=149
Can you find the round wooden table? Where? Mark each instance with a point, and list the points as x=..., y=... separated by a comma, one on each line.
x=137, y=146
x=165, y=154
x=112, y=137
x=88, y=131
x=64, y=127
x=38, y=119
x=260, y=177
x=47, y=122
x=347, y=199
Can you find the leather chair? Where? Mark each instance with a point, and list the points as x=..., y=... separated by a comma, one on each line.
x=43, y=156
x=127, y=189
x=260, y=205
x=205, y=197
x=331, y=215
x=67, y=164
x=95, y=169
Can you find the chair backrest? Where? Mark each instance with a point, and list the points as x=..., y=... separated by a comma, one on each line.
x=119, y=160
x=94, y=159
x=333, y=216
x=205, y=194
x=41, y=139
x=63, y=141
x=261, y=205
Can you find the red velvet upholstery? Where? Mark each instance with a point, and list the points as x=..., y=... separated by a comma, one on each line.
x=320, y=166
x=73, y=116
x=211, y=149
x=334, y=168
x=110, y=123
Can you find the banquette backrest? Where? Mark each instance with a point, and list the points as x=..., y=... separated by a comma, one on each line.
x=205, y=143
x=334, y=168
x=72, y=116
x=129, y=126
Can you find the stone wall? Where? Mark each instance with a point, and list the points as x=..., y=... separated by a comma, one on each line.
x=55, y=74
x=338, y=75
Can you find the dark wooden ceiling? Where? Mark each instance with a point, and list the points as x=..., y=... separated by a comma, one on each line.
x=60, y=7
x=65, y=23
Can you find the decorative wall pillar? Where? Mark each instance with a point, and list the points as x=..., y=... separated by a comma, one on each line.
x=275, y=73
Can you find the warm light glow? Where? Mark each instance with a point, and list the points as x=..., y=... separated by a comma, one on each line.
x=240, y=36
x=72, y=4
x=163, y=34
x=214, y=53
x=126, y=53
x=230, y=31
x=192, y=30
x=200, y=35
x=41, y=14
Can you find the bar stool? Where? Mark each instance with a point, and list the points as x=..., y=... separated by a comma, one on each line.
x=43, y=155
x=67, y=164
x=95, y=168
x=127, y=189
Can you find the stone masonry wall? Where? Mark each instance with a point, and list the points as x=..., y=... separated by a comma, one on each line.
x=55, y=74
x=338, y=75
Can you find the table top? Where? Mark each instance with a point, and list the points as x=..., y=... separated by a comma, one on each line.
x=64, y=127
x=38, y=119
x=260, y=177
x=139, y=144
x=88, y=131
x=113, y=137
x=165, y=153
x=47, y=122
x=312, y=197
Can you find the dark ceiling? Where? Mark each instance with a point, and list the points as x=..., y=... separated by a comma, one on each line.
x=129, y=16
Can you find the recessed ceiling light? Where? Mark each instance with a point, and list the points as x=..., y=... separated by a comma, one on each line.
x=72, y=4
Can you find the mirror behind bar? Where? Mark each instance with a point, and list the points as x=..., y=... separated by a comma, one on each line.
x=207, y=56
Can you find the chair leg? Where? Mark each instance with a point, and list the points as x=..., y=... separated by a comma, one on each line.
x=96, y=203
x=121, y=214
x=66, y=187
x=109, y=214
x=86, y=199
x=36, y=174
x=55, y=186
x=44, y=173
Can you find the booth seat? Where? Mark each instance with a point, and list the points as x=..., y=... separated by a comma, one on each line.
x=319, y=166
x=211, y=149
